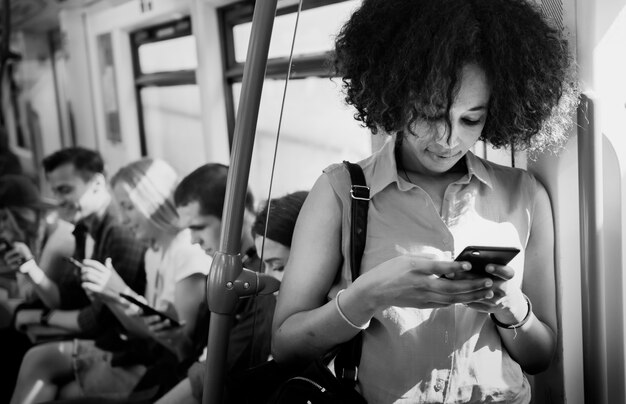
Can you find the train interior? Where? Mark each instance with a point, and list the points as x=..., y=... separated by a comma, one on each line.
x=163, y=78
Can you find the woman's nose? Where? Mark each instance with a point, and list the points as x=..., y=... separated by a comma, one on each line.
x=446, y=135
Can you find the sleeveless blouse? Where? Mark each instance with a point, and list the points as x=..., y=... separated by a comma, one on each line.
x=442, y=355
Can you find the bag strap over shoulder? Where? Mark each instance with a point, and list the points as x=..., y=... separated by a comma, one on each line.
x=360, y=196
x=349, y=354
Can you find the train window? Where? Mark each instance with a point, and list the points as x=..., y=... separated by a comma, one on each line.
x=171, y=115
x=316, y=30
x=168, y=98
x=157, y=56
x=317, y=128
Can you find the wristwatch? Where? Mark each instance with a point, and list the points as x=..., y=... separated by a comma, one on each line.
x=45, y=316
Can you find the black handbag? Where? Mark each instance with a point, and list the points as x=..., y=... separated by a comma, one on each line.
x=316, y=384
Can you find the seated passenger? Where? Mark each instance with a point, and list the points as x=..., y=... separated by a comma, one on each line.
x=176, y=268
x=200, y=201
x=29, y=228
x=275, y=252
x=30, y=231
x=76, y=176
x=175, y=271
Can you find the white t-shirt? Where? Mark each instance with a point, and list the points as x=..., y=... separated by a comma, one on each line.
x=164, y=268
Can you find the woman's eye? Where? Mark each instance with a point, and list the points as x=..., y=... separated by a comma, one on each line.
x=471, y=122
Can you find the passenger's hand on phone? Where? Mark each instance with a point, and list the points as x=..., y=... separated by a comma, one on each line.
x=132, y=310
x=16, y=256
x=102, y=279
x=163, y=330
x=507, y=303
x=420, y=281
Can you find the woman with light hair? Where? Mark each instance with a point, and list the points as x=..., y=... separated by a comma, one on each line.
x=175, y=276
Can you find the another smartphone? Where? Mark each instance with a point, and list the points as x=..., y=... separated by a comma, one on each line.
x=78, y=266
x=480, y=256
x=150, y=311
x=5, y=246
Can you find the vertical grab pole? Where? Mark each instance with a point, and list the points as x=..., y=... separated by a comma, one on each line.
x=226, y=266
x=591, y=242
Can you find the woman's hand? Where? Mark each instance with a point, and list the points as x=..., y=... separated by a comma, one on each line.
x=19, y=254
x=421, y=281
x=507, y=303
x=102, y=279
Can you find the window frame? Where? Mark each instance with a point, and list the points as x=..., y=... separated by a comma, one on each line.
x=310, y=65
x=181, y=27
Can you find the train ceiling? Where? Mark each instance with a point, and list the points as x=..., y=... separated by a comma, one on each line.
x=42, y=15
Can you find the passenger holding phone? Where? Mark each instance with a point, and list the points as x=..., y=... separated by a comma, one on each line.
x=436, y=76
x=175, y=279
x=175, y=268
x=30, y=231
x=77, y=178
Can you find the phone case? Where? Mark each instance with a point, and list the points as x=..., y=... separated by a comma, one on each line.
x=480, y=256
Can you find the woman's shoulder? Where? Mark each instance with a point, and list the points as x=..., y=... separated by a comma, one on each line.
x=339, y=176
x=506, y=175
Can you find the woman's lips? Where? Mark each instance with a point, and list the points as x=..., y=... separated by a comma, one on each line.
x=443, y=155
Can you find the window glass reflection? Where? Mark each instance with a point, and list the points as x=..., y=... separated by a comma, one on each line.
x=173, y=126
x=318, y=129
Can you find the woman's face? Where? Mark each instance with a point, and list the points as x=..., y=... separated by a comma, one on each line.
x=20, y=224
x=141, y=226
x=275, y=256
x=436, y=149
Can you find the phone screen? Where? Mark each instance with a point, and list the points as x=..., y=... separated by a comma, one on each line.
x=480, y=256
x=148, y=310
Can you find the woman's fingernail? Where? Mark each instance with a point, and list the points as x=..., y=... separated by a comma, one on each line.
x=489, y=295
x=489, y=268
x=466, y=266
x=488, y=283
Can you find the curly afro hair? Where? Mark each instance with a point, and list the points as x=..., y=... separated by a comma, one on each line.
x=400, y=61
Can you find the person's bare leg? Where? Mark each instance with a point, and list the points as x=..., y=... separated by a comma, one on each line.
x=179, y=394
x=44, y=368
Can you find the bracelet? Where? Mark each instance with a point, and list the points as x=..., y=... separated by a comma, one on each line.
x=362, y=327
x=45, y=316
x=518, y=325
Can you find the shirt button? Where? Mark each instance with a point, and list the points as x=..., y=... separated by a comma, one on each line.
x=438, y=385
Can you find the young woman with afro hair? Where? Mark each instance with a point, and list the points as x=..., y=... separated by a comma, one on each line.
x=436, y=77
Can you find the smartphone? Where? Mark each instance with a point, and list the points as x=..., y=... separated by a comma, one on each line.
x=5, y=246
x=480, y=256
x=78, y=266
x=150, y=311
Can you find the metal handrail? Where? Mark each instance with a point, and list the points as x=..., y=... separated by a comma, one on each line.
x=226, y=267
